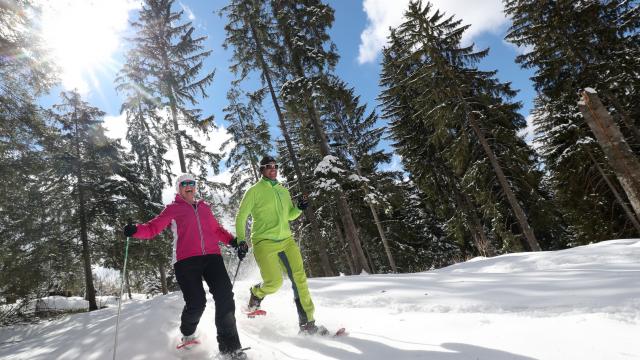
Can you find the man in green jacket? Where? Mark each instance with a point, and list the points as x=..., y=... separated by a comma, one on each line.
x=270, y=205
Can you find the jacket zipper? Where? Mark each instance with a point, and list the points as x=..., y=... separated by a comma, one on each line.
x=195, y=209
x=279, y=209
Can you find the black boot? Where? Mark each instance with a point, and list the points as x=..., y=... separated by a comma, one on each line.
x=234, y=355
x=310, y=328
x=254, y=302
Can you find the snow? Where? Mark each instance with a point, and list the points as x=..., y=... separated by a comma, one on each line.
x=590, y=90
x=329, y=164
x=582, y=303
x=357, y=178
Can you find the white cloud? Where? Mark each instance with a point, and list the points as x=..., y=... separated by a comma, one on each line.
x=394, y=165
x=188, y=11
x=484, y=16
x=520, y=50
x=116, y=128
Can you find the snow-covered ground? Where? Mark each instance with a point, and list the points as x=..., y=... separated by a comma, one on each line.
x=582, y=303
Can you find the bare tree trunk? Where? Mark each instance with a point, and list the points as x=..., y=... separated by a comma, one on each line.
x=502, y=179
x=624, y=163
x=310, y=210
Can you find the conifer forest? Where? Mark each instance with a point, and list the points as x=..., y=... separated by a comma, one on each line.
x=469, y=184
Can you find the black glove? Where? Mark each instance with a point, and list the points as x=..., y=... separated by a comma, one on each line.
x=130, y=229
x=303, y=203
x=242, y=248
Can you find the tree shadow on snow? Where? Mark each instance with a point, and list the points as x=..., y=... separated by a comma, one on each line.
x=373, y=350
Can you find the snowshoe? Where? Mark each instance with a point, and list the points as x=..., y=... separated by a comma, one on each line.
x=310, y=328
x=188, y=342
x=254, y=313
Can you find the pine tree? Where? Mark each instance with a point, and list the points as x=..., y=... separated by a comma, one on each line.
x=255, y=43
x=470, y=124
x=573, y=45
x=172, y=62
x=356, y=140
x=85, y=176
x=25, y=73
x=308, y=55
x=145, y=133
x=250, y=134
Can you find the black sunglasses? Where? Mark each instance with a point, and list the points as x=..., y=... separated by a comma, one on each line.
x=270, y=166
x=187, y=183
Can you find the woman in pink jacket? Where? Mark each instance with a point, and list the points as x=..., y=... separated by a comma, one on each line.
x=196, y=255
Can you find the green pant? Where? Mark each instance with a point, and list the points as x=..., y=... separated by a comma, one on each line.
x=276, y=257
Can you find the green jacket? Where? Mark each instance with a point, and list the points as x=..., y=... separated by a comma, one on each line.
x=271, y=208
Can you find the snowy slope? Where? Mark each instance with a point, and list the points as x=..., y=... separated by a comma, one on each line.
x=582, y=303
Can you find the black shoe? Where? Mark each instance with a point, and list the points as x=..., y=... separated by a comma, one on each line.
x=310, y=328
x=254, y=302
x=234, y=355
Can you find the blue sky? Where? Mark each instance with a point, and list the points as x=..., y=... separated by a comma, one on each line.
x=359, y=31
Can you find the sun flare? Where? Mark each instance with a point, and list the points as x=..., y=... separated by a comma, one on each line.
x=83, y=36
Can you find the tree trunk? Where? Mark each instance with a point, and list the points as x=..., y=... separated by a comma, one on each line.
x=84, y=237
x=310, y=210
x=128, y=285
x=463, y=202
x=343, y=242
x=621, y=159
x=376, y=219
x=163, y=278
x=174, y=111
x=630, y=215
x=502, y=179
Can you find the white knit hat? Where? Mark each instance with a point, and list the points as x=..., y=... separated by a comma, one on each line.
x=182, y=178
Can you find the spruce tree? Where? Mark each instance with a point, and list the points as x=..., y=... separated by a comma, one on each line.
x=146, y=133
x=85, y=176
x=356, y=140
x=307, y=56
x=573, y=45
x=25, y=73
x=250, y=135
x=254, y=38
x=470, y=123
x=172, y=61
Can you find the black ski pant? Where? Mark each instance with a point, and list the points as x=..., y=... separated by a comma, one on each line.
x=189, y=274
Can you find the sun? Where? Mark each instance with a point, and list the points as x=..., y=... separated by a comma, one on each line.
x=83, y=36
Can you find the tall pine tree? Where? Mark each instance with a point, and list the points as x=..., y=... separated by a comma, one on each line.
x=172, y=61
x=573, y=45
x=431, y=82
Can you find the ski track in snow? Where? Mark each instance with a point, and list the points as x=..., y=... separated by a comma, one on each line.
x=582, y=303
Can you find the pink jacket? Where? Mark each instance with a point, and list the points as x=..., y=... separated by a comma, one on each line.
x=195, y=230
